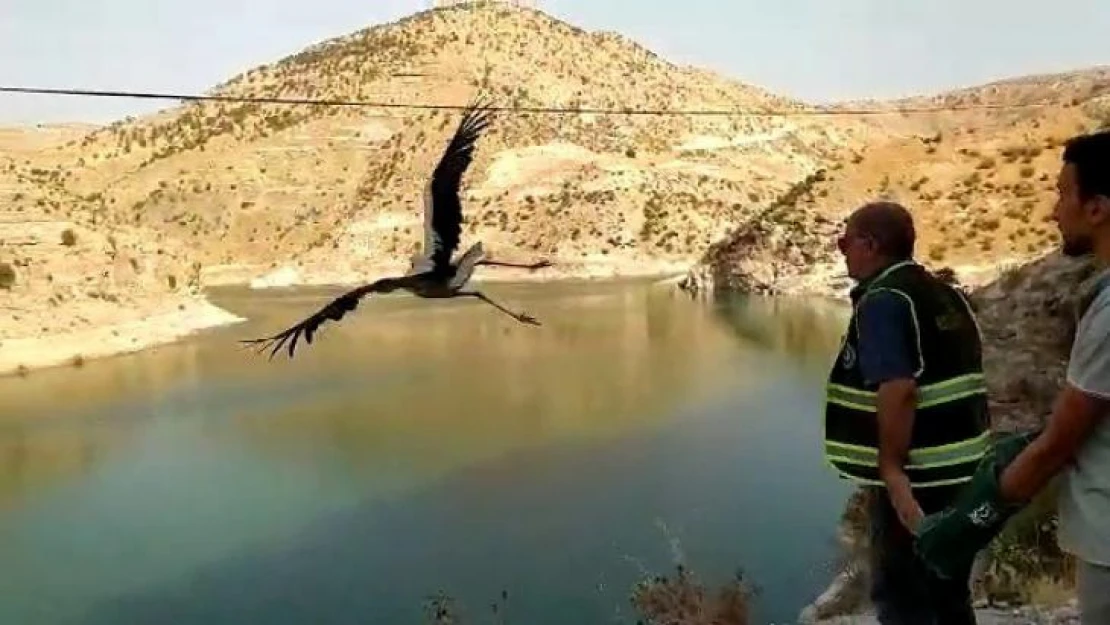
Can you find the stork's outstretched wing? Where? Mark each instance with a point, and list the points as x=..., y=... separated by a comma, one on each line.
x=333, y=311
x=442, y=206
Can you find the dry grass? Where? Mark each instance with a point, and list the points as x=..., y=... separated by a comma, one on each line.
x=677, y=599
x=680, y=599
x=684, y=600
x=1024, y=564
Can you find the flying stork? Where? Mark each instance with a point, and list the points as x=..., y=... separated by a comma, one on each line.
x=431, y=274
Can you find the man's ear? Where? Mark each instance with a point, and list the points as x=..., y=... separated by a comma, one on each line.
x=1098, y=210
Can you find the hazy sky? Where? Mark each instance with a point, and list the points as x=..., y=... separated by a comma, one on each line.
x=812, y=49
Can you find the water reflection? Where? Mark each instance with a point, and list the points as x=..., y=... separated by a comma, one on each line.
x=806, y=329
x=418, y=444
x=465, y=386
x=31, y=463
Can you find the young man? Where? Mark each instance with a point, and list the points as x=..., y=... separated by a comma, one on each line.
x=1076, y=439
x=906, y=413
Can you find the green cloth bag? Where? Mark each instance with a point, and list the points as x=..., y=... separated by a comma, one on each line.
x=948, y=541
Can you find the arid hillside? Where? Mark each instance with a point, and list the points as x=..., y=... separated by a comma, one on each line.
x=981, y=185
x=123, y=223
x=73, y=287
x=336, y=190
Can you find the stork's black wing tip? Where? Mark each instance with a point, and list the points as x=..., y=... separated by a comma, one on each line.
x=274, y=343
x=481, y=106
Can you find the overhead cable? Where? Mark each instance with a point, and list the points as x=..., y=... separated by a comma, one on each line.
x=810, y=112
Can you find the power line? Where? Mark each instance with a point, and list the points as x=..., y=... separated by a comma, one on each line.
x=519, y=109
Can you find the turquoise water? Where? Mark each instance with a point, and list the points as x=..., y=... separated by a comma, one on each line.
x=423, y=446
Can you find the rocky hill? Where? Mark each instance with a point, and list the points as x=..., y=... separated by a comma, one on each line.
x=1070, y=89
x=72, y=287
x=336, y=190
x=981, y=185
x=230, y=192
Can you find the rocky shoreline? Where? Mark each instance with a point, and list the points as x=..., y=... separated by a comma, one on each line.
x=314, y=275
x=167, y=324
x=134, y=330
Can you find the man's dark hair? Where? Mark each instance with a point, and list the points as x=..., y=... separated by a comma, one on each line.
x=1090, y=154
x=890, y=225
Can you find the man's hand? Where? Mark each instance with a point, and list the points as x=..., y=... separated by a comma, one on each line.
x=909, y=511
x=896, y=402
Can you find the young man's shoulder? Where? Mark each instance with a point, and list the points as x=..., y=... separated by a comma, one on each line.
x=1089, y=364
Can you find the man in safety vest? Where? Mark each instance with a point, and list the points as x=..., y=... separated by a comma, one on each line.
x=906, y=413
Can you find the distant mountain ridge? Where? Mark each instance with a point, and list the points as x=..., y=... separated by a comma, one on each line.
x=217, y=192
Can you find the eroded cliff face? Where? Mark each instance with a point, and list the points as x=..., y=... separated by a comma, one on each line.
x=1028, y=318
x=787, y=248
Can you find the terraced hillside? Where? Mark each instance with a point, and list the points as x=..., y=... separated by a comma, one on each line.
x=251, y=187
x=73, y=286
x=981, y=185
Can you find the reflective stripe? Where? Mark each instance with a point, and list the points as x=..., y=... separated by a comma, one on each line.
x=924, y=458
x=928, y=395
x=869, y=481
x=889, y=270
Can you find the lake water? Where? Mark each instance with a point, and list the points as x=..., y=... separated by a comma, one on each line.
x=421, y=446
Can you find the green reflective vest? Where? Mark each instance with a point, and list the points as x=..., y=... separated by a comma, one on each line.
x=951, y=428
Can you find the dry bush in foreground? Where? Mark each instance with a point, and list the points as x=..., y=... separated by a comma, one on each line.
x=683, y=600
x=662, y=600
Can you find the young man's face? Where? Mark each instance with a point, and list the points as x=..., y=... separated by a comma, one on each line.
x=1078, y=219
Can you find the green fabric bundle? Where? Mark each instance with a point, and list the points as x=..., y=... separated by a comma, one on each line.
x=948, y=541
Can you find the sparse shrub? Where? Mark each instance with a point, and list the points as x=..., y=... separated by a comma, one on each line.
x=947, y=275
x=7, y=276
x=1025, y=554
x=665, y=600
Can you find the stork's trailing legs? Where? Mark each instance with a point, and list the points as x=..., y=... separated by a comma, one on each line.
x=533, y=266
x=519, y=316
